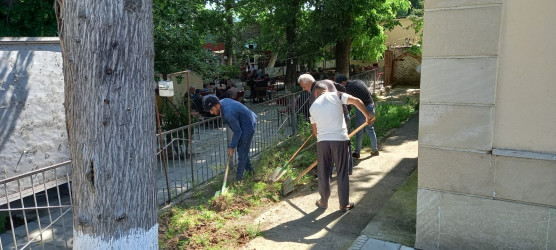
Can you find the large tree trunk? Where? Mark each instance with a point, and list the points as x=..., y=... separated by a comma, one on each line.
x=290, y=79
x=272, y=60
x=343, y=51
x=291, y=37
x=108, y=56
x=342, y=56
x=228, y=43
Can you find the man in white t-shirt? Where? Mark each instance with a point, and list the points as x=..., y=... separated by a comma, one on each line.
x=327, y=121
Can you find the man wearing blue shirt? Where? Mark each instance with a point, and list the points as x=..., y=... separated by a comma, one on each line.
x=242, y=121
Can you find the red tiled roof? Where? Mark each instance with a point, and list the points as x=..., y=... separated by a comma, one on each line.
x=214, y=46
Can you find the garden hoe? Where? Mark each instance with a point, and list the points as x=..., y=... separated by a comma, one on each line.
x=279, y=172
x=289, y=185
x=223, y=190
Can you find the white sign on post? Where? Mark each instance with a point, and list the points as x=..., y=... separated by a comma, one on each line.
x=166, y=88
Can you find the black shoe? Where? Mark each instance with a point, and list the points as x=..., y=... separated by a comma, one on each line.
x=374, y=153
x=355, y=155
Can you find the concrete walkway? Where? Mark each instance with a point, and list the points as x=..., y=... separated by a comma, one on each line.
x=296, y=223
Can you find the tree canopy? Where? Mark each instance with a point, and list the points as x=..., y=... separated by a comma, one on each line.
x=179, y=27
x=296, y=31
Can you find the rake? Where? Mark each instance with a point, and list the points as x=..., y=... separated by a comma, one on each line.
x=280, y=171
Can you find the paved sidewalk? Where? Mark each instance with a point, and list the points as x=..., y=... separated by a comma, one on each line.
x=365, y=243
x=296, y=223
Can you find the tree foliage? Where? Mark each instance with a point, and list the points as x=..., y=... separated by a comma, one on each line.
x=361, y=23
x=416, y=17
x=318, y=27
x=298, y=31
x=179, y=28
x=27, y=18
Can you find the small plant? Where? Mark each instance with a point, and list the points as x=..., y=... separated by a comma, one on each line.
x=259, y=189
x=175, y=115
x=201, y=239
x=208, y=215
x=253, y=232
x=184, y=221
x=179, y=79
x=238, y=213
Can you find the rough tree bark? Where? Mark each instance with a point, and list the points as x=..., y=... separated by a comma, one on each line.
x=291, y=37
x=229, y=36
x=272, y=60
x=342, y=56
x=108, y=54
x=343, y=52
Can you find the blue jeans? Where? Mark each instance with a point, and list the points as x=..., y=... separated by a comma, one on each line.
x=360, y=119
x=243, y=146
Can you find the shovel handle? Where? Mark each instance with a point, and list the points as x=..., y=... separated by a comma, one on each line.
x=226, y=174
x=300, y=148
x=316, y=161
x=306, y=170
x=358, y=129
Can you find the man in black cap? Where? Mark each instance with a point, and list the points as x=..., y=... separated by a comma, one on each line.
x=358, y=89
x=242, y=121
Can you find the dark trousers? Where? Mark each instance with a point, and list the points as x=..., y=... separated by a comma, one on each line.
x=243, y=147
x=330, y=153
x=348, y=124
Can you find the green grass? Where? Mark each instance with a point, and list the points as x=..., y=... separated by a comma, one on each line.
x=254, y=231
x=388, y=116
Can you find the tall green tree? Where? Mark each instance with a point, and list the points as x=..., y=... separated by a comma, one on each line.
x=178, y=36
x=222, y=25
x=281, y=23
x=358, y=24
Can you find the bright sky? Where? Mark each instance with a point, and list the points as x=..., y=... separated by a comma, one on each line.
x=209, y=6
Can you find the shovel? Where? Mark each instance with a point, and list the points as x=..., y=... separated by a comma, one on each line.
x=223, y=190
x=289, y=185
x=279, y=172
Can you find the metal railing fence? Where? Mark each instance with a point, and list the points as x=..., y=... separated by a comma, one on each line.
x=38, y=217
x=374, y=79
x=192, y=155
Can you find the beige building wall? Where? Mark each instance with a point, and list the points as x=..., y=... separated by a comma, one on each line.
x=403, y=35
x=399, y=36
x=487, y=133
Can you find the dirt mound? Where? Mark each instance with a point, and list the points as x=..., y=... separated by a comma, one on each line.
x=222, y=222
